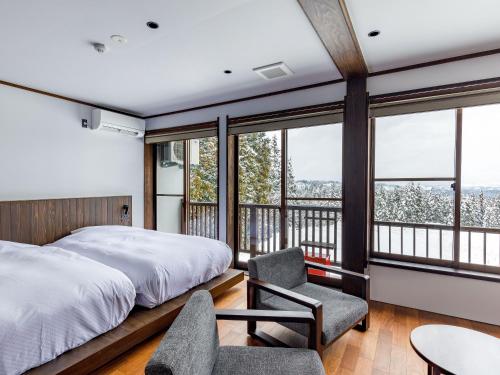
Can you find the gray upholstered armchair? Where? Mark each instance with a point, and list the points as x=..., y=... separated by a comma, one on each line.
x=278, y=281
x=191, y=345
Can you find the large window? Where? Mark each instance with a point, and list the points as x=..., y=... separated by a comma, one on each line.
x=290, y=192
x=436, y=188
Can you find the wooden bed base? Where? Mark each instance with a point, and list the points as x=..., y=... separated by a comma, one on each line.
x=141, y=324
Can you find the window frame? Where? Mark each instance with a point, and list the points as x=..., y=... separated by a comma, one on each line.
x=457, y=227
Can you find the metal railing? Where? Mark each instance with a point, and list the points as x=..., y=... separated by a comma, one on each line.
x=203, y=219
x=478, y=246
x=314, y=228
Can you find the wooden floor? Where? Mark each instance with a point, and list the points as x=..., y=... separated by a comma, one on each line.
x=383, y=349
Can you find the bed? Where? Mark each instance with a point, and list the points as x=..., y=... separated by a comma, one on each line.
x=44, y=221
x=50, y=304
x=161, y=266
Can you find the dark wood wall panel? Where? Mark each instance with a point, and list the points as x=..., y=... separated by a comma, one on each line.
x=44, y=221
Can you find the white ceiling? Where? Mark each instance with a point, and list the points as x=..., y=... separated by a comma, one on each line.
x=47, y=45
x=417, y=31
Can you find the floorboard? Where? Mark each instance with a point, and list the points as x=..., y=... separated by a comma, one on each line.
x=383, y=350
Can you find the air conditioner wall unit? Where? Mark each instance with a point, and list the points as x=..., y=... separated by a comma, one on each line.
x=116, y=122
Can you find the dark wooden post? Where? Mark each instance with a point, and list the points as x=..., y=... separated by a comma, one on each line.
x=284, y=183
x=253, y=232
x=149, y=186
x=355, y=182
x=232, y=203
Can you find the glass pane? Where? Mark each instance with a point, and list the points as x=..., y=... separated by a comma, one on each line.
x=168, y=214
x=170, y=168
x=480, y=167
x=259, y=193
x=260, y=167
x=414, y=202
x=202, y=217
x=203, y=170
x=480, y=206
x=415, y=145
x=414, y=219
x=315, y=174
x=315, y=162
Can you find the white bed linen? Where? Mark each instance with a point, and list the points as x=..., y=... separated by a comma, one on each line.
x=53, y=300
x=160, y=265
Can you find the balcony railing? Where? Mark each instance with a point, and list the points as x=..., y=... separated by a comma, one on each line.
x=203, y=219
x=314, y=228
x=318, y=231
x=478, y=246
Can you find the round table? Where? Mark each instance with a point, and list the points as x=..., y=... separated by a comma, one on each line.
x=456, y=350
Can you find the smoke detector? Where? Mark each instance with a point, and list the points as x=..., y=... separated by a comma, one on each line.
x=273, y=71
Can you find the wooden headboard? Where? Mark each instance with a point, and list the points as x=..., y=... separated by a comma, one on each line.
x=40, y=222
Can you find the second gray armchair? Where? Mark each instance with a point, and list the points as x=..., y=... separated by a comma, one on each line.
x=278, y=281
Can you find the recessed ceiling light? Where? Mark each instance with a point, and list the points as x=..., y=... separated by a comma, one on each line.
x=152, y=25
x=227, y=71
x=373, y=33
x=119, y=39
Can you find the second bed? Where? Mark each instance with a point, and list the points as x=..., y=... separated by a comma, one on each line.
x=160, y=265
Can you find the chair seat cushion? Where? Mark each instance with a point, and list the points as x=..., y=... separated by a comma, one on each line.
x=247, y=360
x=340, y=310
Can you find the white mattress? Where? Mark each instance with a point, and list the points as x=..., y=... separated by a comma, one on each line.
x=160, y=265
x=52, y=301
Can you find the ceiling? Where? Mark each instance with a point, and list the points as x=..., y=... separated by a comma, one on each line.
x=46, y=45
x=417, y=31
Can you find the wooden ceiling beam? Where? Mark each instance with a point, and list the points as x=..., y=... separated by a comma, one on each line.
x=333, y=26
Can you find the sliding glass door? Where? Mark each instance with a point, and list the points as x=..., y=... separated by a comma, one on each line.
x=290, y=192
x=170, y=186
x=186, y=187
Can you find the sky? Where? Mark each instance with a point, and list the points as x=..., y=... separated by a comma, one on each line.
x=415, y=145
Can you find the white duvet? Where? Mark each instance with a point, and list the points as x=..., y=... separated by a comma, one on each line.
x=160, y=265
x=52, y=300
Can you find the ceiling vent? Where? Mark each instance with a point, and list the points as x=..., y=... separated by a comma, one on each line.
x=273, y=71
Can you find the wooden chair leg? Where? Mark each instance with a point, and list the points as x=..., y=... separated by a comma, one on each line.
x=315, y=331
x=251, y=326
x=365, y=323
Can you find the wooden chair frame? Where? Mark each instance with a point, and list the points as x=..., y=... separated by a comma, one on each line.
x=315, y=331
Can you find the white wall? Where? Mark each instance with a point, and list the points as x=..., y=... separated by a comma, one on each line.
x=443, y=74
x=45, y=153
x=456, y=296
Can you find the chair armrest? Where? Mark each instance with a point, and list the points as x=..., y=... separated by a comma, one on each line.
x=365, y=292
x=265, y=315
x=336, y=270
x=284, y=293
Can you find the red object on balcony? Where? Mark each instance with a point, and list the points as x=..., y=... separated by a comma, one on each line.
x=321, y=260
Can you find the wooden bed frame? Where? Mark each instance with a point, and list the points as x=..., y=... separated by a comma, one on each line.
x=41, y=222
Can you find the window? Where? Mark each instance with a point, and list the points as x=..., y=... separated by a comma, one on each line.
x=436, y=188
x=282, y=185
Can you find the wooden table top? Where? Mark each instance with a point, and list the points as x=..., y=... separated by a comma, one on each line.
x=457, y=350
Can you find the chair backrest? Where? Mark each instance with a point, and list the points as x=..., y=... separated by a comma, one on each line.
x=285, y=268
x=191, y=345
